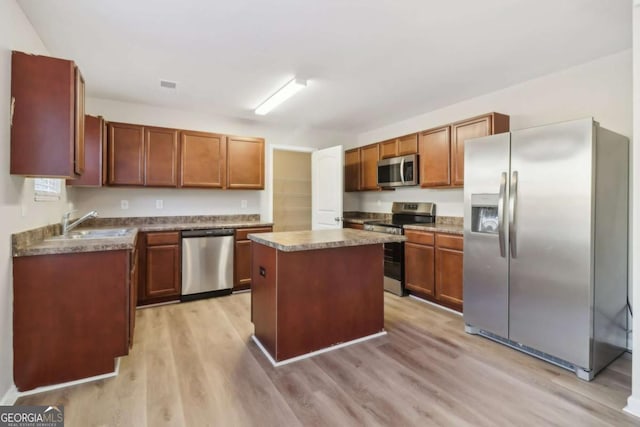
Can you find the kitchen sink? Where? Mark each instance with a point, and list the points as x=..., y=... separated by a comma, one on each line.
x=102, y=233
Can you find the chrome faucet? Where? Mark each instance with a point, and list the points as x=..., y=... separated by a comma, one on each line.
x=66, y=227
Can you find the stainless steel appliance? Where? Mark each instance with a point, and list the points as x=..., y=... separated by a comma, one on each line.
x=545, y=242
x=207, y=263
x=403, y=214
x=398, y=171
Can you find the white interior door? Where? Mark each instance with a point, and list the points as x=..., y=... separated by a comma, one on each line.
x=327, y=184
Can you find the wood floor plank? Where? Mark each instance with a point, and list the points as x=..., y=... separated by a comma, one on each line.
x=194, y=364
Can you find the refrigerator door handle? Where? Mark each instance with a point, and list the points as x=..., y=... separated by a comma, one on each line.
x=513, y=196
x=501, y=202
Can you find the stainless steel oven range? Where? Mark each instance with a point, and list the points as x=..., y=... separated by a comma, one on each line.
x=404, y=213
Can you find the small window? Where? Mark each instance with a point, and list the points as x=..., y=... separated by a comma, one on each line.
x=47, y=189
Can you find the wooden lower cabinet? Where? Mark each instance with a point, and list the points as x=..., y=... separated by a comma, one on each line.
x=71, y=316
x=433, y=267
x=353, y=225
x=242, y=257
x=161, y=260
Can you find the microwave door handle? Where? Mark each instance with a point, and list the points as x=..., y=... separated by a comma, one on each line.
x=402, y=170
x=501, y=202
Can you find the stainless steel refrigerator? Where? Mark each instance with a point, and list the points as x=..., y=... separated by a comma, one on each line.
x=545, y=235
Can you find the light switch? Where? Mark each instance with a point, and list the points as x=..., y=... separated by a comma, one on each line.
x=159, y=204
x=124, y=204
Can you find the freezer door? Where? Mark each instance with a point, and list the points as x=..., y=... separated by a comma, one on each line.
x=551, y=211
x=486, y=266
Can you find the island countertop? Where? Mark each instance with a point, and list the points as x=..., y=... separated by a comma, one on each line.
x=293, y=241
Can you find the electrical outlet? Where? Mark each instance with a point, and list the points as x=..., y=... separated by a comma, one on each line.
x=124, y=204
x=243, y=204
x=159, y=204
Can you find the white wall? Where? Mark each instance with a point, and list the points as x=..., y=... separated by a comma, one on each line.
x=601, y=89
x=17, y=209
x=142, y=201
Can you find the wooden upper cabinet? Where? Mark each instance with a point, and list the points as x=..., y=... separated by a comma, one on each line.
x=245, y=163
x=161, y=157
x=434, y=150
x=352, y=170
x=369, y=156
x=472, y=128
x=202, y=159
x=402, y=146
x=95, y=154
x=126, y=154
x=47, y=120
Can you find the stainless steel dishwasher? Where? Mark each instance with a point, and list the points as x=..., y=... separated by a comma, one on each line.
x=207, y=263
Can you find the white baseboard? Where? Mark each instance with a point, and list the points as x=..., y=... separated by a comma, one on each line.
x=12, y=395
x=633, y=406
x=313, y=353
x=435, y=305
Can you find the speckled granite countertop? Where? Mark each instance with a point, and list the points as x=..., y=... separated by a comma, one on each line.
x=37, y=241
x=293, y=241
x=437, y=228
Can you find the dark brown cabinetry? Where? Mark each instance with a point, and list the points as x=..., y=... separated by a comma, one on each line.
x=401, y=146
x=435, y=157
x=353, y=225
x=161, y=157
x=242, y=152
x=369, y=156
x=242, y=257
x=352, y=170
x=71, y=315
x=126, y=154
x=47, y=117
x=433, y=267
x=203, y=160
x=472, y=128
x=160, y=260
x=95, y=154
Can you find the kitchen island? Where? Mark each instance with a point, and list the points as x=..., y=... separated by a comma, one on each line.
x=315, y=290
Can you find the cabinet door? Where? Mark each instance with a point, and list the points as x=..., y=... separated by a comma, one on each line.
x=352, y=170
x=94, y=154
x=434, y=151
x=161, y=157
x=369, y=157
x=460, y=132
x=245, y=163
x=202, y=160
x=353, y=225
x=419, y=273
x=449, y=276
x=389, y=149
x=79, y=153
x=408, y=144
x=162, y=271
x=126, y=154
x=242, y=265
x=133, y=294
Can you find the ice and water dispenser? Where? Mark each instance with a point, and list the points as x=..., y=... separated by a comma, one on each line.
x=484, y=213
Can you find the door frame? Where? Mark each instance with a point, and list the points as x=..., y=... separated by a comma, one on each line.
x=269, y=172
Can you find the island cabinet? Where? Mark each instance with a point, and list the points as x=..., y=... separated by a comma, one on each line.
x=47, y=117
x=433, y=267
x=95, y=154
x=160, y=258
x=72, y=315
x=242, y=256
x=352, y=170
x=245, y=163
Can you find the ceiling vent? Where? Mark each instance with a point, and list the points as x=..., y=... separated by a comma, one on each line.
x=167, y=84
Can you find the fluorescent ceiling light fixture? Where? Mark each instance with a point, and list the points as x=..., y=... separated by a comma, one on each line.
x=284, y=93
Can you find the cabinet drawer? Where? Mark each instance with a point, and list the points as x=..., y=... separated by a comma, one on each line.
x=421, y=237
x=164, y=238
x=241, y=233
x=449, y=241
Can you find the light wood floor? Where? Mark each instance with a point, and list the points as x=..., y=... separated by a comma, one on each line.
x=194, y=364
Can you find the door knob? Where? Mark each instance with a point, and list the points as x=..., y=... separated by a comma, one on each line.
x=337, y=219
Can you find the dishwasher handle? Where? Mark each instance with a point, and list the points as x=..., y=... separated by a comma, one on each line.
x=214, y=232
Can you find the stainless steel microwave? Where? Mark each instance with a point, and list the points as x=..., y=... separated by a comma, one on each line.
x=398, y=171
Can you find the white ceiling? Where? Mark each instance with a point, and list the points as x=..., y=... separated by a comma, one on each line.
x=369, y=62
